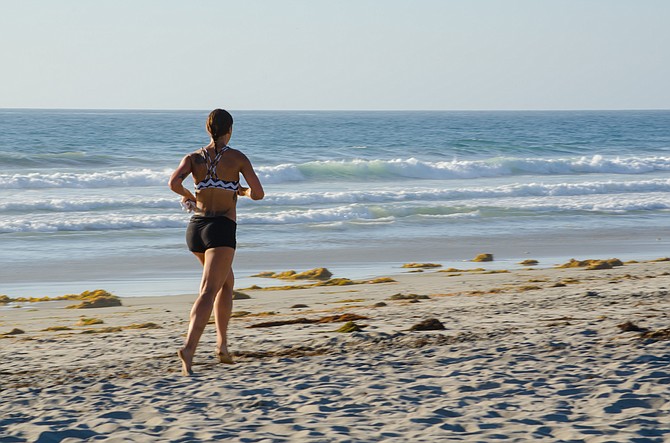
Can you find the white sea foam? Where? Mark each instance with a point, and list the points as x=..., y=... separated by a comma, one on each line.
x=90, y=222
x=436, y=194
x=355, y=170
x=302, y=201
x=37, y=180
x=508, y=207
x=459, y=169
x=88, y=204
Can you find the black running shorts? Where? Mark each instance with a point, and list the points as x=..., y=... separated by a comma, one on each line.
x=210, y=232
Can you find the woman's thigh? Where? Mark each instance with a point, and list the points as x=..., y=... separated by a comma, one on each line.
x=217, y=265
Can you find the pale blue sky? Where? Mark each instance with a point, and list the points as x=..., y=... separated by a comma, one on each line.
x=339, y=54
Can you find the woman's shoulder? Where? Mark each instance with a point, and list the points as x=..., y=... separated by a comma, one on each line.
x=195, y=156
x=234, y=152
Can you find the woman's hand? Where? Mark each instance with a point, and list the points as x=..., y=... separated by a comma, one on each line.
x=242, y=191
x=188, y=204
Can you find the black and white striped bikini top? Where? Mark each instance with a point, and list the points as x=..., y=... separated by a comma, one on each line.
x=212, y=181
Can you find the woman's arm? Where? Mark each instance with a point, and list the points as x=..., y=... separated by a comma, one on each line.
x=255, y=190
x=177, y=178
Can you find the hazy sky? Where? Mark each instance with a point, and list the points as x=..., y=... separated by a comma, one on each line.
x=335, y=54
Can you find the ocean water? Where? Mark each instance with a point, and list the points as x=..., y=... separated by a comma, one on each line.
x=84, y=201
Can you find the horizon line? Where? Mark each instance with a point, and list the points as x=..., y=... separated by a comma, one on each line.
x=338, y=110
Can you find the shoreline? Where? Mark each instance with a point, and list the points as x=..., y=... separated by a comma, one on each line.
x=178, y=272
x=531, y=354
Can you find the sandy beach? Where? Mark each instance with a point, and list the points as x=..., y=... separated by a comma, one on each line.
x=540, y=354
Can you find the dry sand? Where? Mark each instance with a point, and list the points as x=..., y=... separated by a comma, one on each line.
x=520, y=360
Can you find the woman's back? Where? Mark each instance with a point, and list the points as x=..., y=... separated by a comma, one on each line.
x=216, y=173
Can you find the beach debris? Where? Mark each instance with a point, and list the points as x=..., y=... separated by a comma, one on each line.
x=462, y=270
x=350, y=300
x=302, y=320
x=349, y=327
x=294, y=321
x=421, y=265
x=558, y=285
x=400, y=296
x=264, y=274
x=237, y=295
x=381, y=280
x=98, y=298
x=659, y=334
x=89, y=321
x=529, y=288
x=529, y=262
x=111, y=329
x=102, y=330
x=592, y=294
x=148, y=325
x=4, y=299
x=483, y=257
x=335, y=282
x=57, y=328
x=330, y=282
x=312, y=274
x=660, y=259
x=237, y=314
x=431, y=324
x=380, y=304
x=15, y=331
x=341, y=318
x=415, y=270
x=591, y=264
x=299, y=306
x=629, y=326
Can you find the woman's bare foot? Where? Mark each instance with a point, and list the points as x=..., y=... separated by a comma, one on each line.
x=225, y=357
x=186, y=362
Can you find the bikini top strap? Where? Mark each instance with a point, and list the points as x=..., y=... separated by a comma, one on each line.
x=211, y=164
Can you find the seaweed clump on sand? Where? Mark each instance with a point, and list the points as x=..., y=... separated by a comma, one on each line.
x=629, y=326
x=349, y=327
x=529, y=262
x=421, y=265
x=336, y=282
x=381, y=280
x=400, y=296
x=57, y=328
x=431, y=324
x=237, y=295
x=659, y=334
x=96, y=299
x=591, y=264
x=312, y=274
x=148, y=325
x=347, y=317
x=4, y=299
x=89, y=321
x=450, y=270
x=483, y=257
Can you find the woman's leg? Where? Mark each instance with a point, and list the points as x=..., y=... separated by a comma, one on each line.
x=216, y=266
x=223, y=307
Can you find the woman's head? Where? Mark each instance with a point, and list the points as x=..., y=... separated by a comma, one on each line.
x=219, y=123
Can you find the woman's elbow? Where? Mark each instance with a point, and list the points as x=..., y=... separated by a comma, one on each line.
x=175, y=184
x=257, y=195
